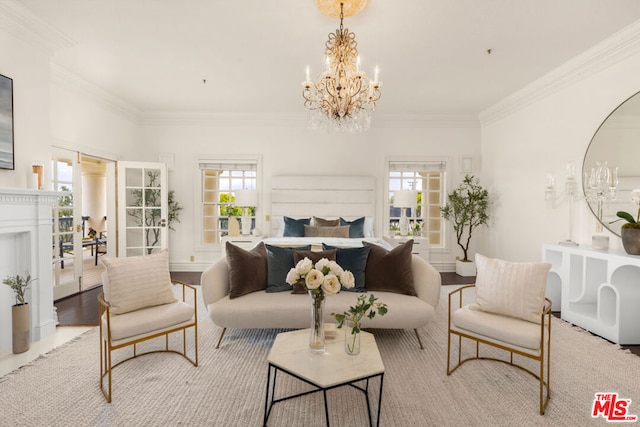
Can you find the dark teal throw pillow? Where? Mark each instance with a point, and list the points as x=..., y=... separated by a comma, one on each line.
x=279, y=262
x=354, y=260
x=356, y=227
x=295, y=227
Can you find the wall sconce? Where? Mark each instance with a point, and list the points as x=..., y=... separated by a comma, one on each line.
x=246, y=199
x=570, y=193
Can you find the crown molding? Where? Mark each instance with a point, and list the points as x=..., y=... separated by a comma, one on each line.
x=300, y=120
x=18, y=21
x=64, y=78
x=195, y=118
x=427, y=121
x=620, y=46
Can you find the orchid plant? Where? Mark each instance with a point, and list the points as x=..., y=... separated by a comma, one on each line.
x=631, y=221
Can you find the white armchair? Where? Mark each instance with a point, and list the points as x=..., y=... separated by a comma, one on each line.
x=139, y=304
x=509, y=312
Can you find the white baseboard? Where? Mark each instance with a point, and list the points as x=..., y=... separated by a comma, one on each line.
x=444, y=267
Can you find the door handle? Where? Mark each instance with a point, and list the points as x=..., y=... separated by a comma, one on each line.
x=163, y=222
x=78, y=228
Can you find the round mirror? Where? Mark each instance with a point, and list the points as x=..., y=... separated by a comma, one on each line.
x=611, y=168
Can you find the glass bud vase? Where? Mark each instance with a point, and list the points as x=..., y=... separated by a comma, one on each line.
x=351, y=339
x=316, y=337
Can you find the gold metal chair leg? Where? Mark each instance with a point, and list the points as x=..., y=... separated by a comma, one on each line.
x=419, y=340
x=221, y=336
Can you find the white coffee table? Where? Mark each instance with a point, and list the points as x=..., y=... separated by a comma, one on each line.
x=334, y=368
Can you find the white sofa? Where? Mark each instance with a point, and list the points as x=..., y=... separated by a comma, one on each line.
x=286, y=310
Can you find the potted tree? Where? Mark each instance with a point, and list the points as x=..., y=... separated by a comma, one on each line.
x=467, y=208
x=20, y=322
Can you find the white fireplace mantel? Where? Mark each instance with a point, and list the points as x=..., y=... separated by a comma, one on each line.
x=25, y=245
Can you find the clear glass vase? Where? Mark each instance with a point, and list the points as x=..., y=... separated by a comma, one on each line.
x=351, y=338
x=316, y=337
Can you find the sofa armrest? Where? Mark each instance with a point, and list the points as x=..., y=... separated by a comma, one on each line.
x=426, y=280
x=215, y=281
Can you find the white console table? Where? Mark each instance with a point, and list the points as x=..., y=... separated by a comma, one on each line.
x=596, y=290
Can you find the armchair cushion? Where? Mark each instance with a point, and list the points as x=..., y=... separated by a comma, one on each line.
x=149, y=320
x=513, y=289
x=137, y=282
x=504, y=329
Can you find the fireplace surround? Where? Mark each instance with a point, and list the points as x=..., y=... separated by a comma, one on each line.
x=25, y=245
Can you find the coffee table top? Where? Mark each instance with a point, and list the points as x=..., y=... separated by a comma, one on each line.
x=290, y=352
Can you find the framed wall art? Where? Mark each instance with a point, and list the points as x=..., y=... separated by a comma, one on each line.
x=7, y=159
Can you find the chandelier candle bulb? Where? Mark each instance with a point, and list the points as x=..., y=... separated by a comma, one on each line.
x=308, y=74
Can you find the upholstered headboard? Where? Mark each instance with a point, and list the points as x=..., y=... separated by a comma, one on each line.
x=326, y=196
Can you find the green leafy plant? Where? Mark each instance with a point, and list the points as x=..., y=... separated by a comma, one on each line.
x=19, y=285
x=467, y=208
x=364, y=307
x=631, y=221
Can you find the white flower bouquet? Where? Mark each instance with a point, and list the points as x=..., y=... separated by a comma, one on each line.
x=325, y=277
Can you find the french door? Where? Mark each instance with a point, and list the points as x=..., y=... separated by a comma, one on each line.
x=142, y=208
x=67, y=224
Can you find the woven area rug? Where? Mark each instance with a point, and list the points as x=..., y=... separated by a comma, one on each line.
x=229, y=386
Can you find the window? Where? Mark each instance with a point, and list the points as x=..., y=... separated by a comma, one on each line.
x=427, y=178
x=219, y=181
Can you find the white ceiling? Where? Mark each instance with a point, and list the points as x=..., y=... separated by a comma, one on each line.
x=432, y=54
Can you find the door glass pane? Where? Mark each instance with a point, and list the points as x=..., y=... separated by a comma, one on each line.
x=134, y=178
x=152, y=178
x=134, y=237
x=152, y=198
x=135, y=252
x=65, y=255
x=134, y=217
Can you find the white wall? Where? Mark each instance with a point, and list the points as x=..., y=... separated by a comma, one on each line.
x=519, y=149
x=290, y=148
x=29, y=69
x=90, y=121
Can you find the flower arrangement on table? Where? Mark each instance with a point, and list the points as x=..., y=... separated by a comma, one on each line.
x=325, y=277
x=365, y=306
x=631, y=221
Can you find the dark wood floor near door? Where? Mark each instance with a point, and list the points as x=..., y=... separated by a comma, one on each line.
x=82, y=308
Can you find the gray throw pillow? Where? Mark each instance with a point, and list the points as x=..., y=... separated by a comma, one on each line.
x=279, y=262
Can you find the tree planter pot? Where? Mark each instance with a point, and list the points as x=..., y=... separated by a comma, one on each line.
x=21, y=328
x=465, y=269
x=631, y=240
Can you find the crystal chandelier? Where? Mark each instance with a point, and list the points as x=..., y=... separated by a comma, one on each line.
x=342, y=97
